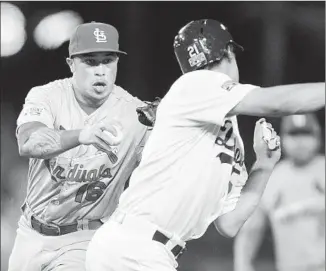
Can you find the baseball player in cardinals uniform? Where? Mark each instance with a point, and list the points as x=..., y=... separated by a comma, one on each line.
x=293, y=203
x=83, y=139
x=192, y=171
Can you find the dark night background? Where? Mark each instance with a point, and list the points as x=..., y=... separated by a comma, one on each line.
x=284, y=43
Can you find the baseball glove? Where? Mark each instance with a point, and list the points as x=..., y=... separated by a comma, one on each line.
x=147, y=113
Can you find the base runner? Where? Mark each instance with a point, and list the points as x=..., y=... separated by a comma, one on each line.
x=192, y=172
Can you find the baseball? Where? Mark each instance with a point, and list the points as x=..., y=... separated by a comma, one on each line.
x=115, y=139
x=272, y=142
x=267, y=131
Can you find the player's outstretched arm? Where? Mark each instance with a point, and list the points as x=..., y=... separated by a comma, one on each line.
x=248, y=241
x=36, y=140
x=230, y=223
x=282, y=100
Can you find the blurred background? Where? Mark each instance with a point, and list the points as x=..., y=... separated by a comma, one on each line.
x=284, y=43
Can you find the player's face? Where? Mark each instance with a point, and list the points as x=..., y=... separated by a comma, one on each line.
x=300, y=148
x=95, y=74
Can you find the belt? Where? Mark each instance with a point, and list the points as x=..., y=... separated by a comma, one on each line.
x=175, y=245
x=160, y=237
x=50, y=230
x=54, y=230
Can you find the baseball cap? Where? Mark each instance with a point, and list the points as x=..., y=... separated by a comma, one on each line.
x=300, y=124
x=94, y=37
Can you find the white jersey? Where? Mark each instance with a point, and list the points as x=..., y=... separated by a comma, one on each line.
x=191, y=157
x=83, y=182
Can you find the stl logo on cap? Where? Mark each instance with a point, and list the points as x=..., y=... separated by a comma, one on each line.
x=99, y=35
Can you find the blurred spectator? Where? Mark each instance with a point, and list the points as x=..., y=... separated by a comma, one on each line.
x=293, y=204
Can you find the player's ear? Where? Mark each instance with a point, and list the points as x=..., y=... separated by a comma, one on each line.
x=71, y=64
x=229, y=53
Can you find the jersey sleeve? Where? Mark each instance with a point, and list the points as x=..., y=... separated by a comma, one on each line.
x=204, y=97
x=37, y=107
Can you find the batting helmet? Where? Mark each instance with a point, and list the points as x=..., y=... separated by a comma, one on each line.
x=201, y=42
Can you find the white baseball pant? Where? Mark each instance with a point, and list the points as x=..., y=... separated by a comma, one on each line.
x=128, y=246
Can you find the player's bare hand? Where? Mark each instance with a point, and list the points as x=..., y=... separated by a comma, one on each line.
x=266, y=143
x=102, y=135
